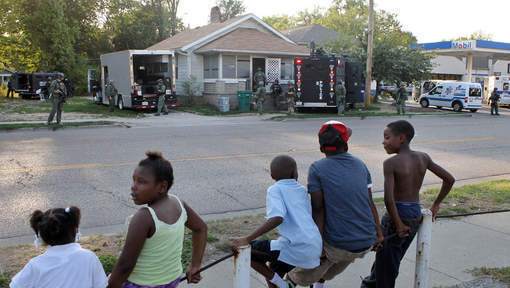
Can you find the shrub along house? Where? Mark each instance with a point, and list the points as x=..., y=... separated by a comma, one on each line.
x=222, y=57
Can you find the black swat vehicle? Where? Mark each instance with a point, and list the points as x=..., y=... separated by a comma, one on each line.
x=36, y=84
x=316, y=76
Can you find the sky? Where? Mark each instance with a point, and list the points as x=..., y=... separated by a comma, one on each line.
x=429, y=21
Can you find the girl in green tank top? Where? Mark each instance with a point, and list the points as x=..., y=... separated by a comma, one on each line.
x=151, y=256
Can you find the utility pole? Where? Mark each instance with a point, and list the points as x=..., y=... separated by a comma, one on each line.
x=368, y=81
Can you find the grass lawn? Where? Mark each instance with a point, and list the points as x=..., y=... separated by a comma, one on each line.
x=486, y=196
x=359, y=110
x=74, y=104
x=7, y=127
x=500, y=274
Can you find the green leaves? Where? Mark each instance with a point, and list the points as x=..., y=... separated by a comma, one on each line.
x=230, y=8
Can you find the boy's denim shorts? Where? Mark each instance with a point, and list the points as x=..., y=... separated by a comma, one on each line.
x=261, y=252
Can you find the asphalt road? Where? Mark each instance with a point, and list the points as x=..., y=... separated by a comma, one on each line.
x=220, y=164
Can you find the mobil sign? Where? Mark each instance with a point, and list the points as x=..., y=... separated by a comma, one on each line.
x=464, y=44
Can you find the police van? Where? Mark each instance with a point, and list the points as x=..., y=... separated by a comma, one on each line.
x=457, y=95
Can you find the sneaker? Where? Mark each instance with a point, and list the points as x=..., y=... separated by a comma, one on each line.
x=157, y=114
x=47, y=123
x=165, y=113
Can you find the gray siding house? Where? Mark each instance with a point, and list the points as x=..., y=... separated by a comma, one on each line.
x=223, y=56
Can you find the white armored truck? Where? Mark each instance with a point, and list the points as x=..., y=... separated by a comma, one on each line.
x=135, y=73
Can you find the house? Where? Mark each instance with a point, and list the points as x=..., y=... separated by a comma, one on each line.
x=223, y=56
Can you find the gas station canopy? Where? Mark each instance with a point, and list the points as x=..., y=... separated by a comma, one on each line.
x=494, y=51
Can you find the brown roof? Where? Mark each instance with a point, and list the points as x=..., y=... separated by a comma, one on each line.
x=186, y=37
x=247, y=39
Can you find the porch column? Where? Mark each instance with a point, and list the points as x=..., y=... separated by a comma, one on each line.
x=492, y=63
x=220, y=66
x=469, y=66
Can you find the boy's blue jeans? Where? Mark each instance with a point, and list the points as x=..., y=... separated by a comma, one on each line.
x=387, y=260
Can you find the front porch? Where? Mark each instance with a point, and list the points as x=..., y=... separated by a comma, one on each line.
x=225, y=74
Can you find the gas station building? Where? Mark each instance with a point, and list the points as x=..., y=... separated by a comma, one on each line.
x=469, y=61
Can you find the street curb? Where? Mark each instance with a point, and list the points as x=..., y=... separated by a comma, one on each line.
x=51, y=128
x=371, y=116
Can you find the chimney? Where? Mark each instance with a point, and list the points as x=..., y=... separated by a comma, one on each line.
x=215, y=15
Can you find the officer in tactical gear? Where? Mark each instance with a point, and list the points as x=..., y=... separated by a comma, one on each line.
x=494, y=99
x=401, y=99
x=276, y=90
x=58, y=94
x=111, y=93
x=260, y=82
x=340, y=98
x=10, y=89
x=290, y=99
x=161, y=91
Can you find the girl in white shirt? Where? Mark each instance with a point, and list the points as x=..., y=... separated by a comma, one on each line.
x=65, y=264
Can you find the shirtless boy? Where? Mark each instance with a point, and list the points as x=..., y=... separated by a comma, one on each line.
x=403, y=177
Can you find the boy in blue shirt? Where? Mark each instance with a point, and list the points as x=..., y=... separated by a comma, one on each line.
x=288, y=208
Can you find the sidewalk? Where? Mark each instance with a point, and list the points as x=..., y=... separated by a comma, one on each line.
x=457, y=246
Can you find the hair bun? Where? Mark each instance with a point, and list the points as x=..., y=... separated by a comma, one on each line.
x=153, y=155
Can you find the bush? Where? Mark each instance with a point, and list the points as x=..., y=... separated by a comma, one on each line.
x=191, y=88
x=4, y=281
x=108, y=261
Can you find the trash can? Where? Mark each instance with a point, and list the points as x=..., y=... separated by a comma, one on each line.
x=244, y=98
x=223, y=104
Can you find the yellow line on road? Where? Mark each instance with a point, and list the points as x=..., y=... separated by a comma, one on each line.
x=235, y=156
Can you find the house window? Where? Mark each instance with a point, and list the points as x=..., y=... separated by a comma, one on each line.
x=229, y=66
x=286, y=68
x=243, y=67
x=211, y=67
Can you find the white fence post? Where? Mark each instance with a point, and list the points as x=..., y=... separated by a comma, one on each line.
x=242, y=265
x=421, y=279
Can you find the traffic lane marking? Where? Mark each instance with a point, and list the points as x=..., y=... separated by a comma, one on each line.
x=234, y=156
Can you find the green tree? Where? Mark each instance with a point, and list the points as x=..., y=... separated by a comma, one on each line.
x=281, y=23
x=477, y=35
x=16, y=51
x=306, y=17
x=138, y=25
x=393, y=60
x=230, y=8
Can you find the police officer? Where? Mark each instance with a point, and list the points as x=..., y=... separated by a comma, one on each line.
x=276, y=90
x=290, y=99
x=494, y=99
x=58, y=94
x=161, y=91
x=340, y=98
x=401, y=99
x=111, y=93
x=10, y=89
x=260, y=82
